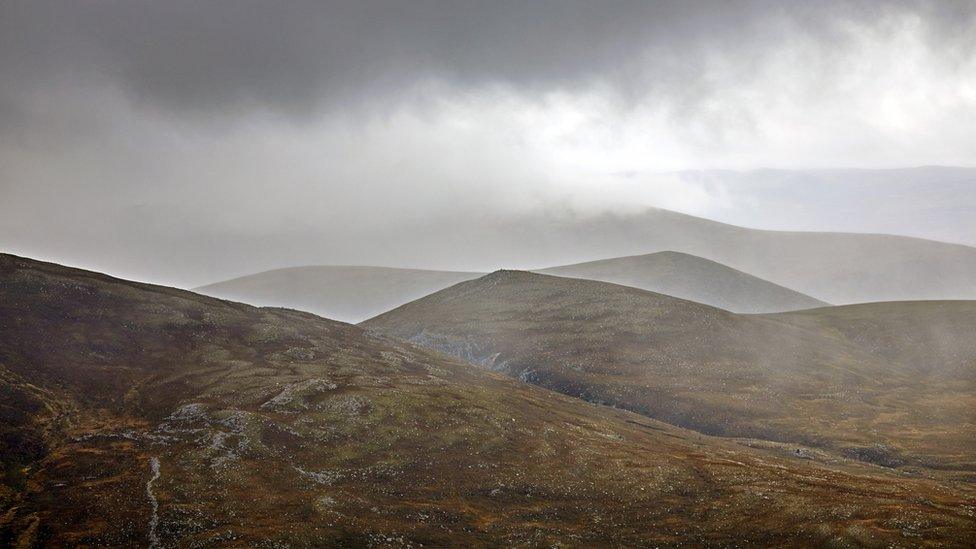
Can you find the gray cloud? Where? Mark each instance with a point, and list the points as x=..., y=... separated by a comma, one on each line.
x=298, y=57
x=187, y=141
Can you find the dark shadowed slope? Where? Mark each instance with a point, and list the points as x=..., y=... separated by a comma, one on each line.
x=693, y=278
x=137, y=414
x=705, y=368
x=344, y=293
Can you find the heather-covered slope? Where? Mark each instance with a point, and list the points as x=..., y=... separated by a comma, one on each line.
x=932, y=338
x=708, y=369
x=693, y=278
x=137, y=414
x=344, y=293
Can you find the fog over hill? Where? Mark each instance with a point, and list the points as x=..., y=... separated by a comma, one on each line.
x=211, y=422
x=627, y=273
x=830, y=267
x=933, y=202
x=349, y=294
x=693, y=278
x=185, y=144
x=354, y=294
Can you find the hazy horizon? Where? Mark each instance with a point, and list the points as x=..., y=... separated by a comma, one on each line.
x=658, y=273
x=184, y=144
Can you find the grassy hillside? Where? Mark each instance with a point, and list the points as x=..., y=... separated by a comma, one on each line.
x=349, y=294
x=137, y=414
x=934, y=339
x=693, y=278
x=807, y=383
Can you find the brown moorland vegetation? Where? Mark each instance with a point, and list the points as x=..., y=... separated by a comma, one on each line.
x=890, y=383
x=140, y=414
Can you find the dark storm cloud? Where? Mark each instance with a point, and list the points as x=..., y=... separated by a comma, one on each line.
x=188, y=141
x=294, y=57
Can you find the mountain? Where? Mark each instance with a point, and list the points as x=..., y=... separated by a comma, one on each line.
x=340, y=292
x=138, y=414
x=815, y=378
x=935, y=338
x=692, y=278
x=840, y=268
x=144, y=415
x=357, y=293
x=933, y=202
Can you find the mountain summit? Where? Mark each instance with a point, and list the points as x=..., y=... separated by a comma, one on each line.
x=693, y=278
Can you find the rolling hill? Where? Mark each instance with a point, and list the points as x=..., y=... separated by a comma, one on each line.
x=143, y=415
x=802, y=378
x=692, y=278
x=354, y=294
x=837, y=268
x=933, y=202
x=339, y=292
x=933, y=338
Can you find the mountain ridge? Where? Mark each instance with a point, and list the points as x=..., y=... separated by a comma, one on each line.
x=694, y=278
x=838, y=268
x=144, y=415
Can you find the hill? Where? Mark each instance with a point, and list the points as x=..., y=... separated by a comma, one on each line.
x=343, y=293
x=931, y=338
x=839, y=268
x=811, y=383
x=144, y=415
x=933, y=202
x=692, y=278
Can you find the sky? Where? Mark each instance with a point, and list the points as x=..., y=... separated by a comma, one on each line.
x=183, y=142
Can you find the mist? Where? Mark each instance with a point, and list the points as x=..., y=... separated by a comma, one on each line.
x=455, y=273
x=185, y=144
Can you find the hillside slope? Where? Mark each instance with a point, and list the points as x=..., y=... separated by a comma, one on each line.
x=692, y=278
x=839, y=268
x=344, y=293
x=143, y=415
x=934, y=202
x=705, y=368
x=933, y=338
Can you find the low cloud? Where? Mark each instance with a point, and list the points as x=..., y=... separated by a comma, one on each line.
x=134, y=130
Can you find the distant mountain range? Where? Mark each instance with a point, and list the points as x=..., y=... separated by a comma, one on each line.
x=839, y=268
x=740, y=269
x=139, y=415
x=354, y=294
x=346, y=293
x=693, y=278
x=933, y=202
